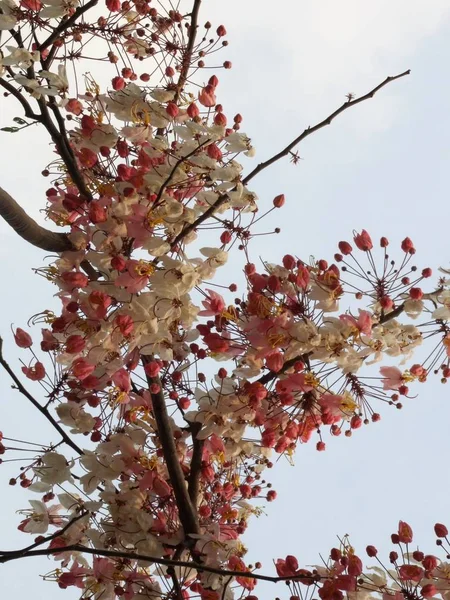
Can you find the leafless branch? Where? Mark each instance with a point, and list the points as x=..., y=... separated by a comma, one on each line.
x=186, y=61
x=309, y=131
x=324, y=123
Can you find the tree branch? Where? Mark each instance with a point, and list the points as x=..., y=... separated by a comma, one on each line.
x=65, y=24
x=25, y=104
x=186, y=62
x=224, y=197
x=196, y=464
x=186, y=510
x=14, y=555
x=28, y=229
x=324, y=123
x=36, y=404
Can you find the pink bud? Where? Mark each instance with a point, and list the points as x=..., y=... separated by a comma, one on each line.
x=22, y=338
x=97, y=213
x=81, y=368
x=172, y=110
x=440, y=530
x=408, y=246
x=289, y=261
x=75, y=279
x=193, y=111
x=207, y=97
x=416, y=293
x=275, y=361
x=75, y=344
x=278, y=201
x=214, y=152
x=429, y=590
x=345, y=248
x=221, y=31
x=405, y=533
x=220, y=120
x=118, y=83
x=152, y=368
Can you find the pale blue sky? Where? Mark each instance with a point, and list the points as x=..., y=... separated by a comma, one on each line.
x=382, y=166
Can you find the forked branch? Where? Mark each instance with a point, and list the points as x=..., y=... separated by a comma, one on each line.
x=309, y=131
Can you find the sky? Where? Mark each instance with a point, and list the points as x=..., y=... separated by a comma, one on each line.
x=382, y=165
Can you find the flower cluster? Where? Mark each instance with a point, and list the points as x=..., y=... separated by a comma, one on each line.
x=175, y=445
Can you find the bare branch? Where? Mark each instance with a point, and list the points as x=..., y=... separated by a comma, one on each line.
x=324, y=123
x=36, y=404
x=186, y=61
x=28, y=229
x=224, y=197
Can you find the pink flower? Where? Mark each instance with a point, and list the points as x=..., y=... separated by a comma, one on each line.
x=405, y=533
x=81, y=368
x=392, y=378
x=411, y=573
x=207, y=97
x=135, y=279
x=363, y=241
x=363, y=324
x=286, y=567
x=35, y=373
x=215, y=304
x=122, y=380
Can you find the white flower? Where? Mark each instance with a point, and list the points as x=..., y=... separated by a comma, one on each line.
x=20, y=57
x=161, y=95
x=57, y=8
x=54, y=469
x=7, y=22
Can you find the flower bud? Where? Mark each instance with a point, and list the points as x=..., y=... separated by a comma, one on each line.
x=345, y=248
x=440, y=530
x=278, y=201
x=408, y=246
x=22, y=338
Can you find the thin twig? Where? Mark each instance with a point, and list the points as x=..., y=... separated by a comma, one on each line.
x=324, y=123
x=186, y=61
x=310, y=130
x=36, y=404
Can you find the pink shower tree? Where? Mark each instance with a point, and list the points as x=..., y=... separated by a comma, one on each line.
x=170, y=389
